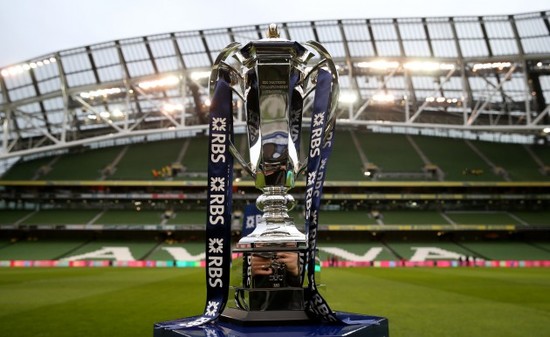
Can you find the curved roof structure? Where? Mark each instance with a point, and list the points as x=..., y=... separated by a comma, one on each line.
x=485, y=77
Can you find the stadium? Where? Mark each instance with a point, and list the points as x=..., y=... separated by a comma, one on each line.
x=438, y=185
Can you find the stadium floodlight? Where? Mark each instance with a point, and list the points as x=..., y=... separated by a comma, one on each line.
x=383, y=98
x=105, y=114
x=20, y=68
x=100, y=93
x=428, y=66
x=378, y=65
x=491, y=65
x=198, y=75
x=117, y=113
x=170, y=107
x=442, y=100
x=168, y=81
x=348, y=97
x=546, y=130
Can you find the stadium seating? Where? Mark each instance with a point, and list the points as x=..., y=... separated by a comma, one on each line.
x=34, y=249
x=503, y=250
x=458, y=161
x=345, y=163
x=327, y=250
x=28, y=170
x=513, y=159
x=160, y=253
x=393, y=155
x=196, y=218
x=141, y=159
x=11, y=217
x=406, y=250
x=137, y=250
x=397, y=158
x=57, y=217
x=88, y=165
x=195, y=159
x=38, y=250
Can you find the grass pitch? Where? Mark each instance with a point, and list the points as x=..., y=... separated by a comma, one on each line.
x=418, y=302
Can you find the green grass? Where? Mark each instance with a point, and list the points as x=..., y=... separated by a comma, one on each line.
x=418, y=302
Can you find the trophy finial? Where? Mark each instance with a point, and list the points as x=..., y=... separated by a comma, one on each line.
x=273, y=31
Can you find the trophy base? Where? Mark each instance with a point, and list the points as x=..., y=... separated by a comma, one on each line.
x=358, y=326
x=251, y=318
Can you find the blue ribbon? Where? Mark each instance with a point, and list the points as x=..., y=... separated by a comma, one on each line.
x=219, y=204
x=320, y=148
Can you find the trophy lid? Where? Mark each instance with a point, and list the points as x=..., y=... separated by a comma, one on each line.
x=273, y=44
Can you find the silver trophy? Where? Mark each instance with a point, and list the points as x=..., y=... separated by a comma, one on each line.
x=275, y=79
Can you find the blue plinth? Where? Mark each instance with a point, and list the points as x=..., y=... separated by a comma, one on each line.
x=358, y=326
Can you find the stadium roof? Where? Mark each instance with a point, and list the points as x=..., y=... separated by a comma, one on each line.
x=474, y=76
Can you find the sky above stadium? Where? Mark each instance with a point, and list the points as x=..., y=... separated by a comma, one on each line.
x=31, y=28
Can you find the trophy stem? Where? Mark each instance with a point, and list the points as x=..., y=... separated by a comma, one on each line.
x=276, y=228
x=275, y=203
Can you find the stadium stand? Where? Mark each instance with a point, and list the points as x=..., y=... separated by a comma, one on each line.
x=506, y=251
x=131, y=250
x=345, y=163
x=28, y=170
x=160, y=252
x=457, y=161
x=86, y=165
x=392, y=157
x=328, y=219
x=139, y=161
x=406, y=250
x=511, y=161
x=195, y=159
x=13, y=217
x=440, y=148
x=38, y=250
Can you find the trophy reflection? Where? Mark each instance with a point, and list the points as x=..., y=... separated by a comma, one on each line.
x=274, y=78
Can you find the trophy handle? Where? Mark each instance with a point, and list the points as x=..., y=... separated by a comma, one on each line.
x=237, y=155
x=328, y=62
x=327, y=59
x=231, y=50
